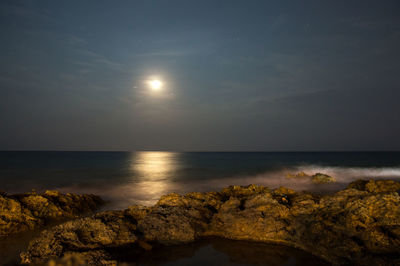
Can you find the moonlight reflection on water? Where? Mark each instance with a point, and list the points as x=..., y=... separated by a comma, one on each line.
x=128, y=178
x=153, y=173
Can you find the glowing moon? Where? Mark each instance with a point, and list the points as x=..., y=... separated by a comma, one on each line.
x=155, y=84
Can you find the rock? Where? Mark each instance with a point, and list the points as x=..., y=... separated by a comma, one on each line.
x=68, y=259
x=299, y=174
x=319, y=178
x=83, y=259
x=359, y=225
x=22, y=212
x=375, y=186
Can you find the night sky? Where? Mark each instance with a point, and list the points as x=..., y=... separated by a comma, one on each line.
x=236, y=75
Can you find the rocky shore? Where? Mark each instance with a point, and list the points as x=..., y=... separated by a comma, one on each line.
x=23, y=212
x=317, y=178
x=358, y=225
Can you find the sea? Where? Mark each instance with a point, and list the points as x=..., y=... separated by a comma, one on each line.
x=128, y=178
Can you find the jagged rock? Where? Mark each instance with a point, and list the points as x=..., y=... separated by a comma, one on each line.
x=299, y=174
x=24, y=212
x=319, y=178
x=375, y=185
x=358, y=225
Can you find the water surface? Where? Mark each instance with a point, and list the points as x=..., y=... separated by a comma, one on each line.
x=126, y=178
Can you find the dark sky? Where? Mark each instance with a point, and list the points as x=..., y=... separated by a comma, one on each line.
x=237, y=75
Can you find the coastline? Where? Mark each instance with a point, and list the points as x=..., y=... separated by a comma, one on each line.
x=360, y=224
x=24, y=216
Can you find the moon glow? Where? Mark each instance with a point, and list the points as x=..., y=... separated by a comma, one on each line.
x=155, y=84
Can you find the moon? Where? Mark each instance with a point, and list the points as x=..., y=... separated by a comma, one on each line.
x=155, y=84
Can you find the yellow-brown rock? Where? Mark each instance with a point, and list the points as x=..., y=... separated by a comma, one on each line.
x=22, y=212
x=319, y=178
x=299, y=174
x=358, y=225
x=376, y=186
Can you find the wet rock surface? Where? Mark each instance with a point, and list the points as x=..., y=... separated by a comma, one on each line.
x=298, y=175
x=23, y=212
x=318, y=178
x=358, y=225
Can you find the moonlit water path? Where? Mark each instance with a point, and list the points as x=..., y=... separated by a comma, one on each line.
x=125, y=178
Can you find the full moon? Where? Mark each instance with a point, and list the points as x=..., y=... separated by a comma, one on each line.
x=155, y=84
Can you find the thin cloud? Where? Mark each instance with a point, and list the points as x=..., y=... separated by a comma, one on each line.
x=96, y=59
x=75, y=40
x=170, y=53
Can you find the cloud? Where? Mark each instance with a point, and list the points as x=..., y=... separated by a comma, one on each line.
x=75, y=40
x=97, y=60
x=166, y=53
x=25, y=10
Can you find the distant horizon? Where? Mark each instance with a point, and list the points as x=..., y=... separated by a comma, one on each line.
x=205, y=151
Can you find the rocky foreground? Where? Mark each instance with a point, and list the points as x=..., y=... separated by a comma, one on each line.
x=358, y=225
x=23, y=212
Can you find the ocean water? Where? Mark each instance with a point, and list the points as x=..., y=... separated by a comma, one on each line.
x=126, y=178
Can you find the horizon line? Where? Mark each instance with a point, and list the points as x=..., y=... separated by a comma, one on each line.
x=199, y=151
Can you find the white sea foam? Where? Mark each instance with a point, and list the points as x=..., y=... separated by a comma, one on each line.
x=147, y=192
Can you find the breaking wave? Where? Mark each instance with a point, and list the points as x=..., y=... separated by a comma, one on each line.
x=147, y=192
